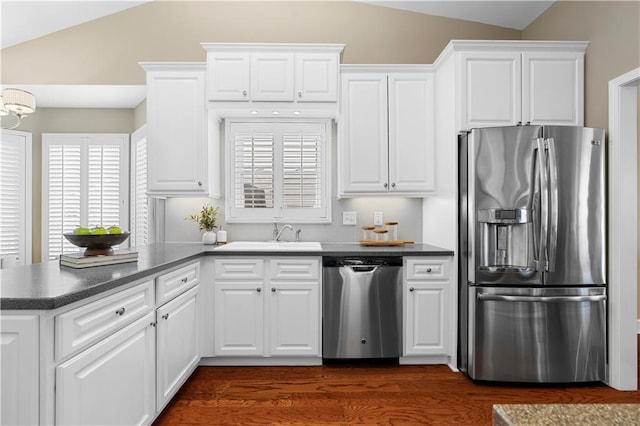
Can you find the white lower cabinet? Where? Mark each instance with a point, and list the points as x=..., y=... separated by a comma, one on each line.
x=20, y=355
x=427, y=290
x=274, y=311
x=177, y=344
x=111, y=382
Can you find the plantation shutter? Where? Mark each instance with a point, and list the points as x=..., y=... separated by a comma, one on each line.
x=15, y=197
x=278, y=171
x=84, y=184
x=140, y=211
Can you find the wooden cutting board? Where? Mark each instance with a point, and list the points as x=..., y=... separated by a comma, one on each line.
x=385, y=243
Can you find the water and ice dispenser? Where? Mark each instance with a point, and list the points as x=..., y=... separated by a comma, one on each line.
x=505, y=236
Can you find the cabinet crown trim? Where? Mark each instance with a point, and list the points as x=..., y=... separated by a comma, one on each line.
x=173, y=66
x=510, y=45
x=274, y=47
x=386, y=68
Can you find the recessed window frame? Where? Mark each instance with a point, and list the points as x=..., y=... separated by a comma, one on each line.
x=279, y=212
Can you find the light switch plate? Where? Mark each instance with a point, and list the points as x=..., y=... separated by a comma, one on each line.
x=378, y=217
x=349, y=218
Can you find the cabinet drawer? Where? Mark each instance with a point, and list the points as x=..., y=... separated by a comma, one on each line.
x=295, y=269
x=247, y=268
x=175, y=283
x=429, y=269
x=92, y=322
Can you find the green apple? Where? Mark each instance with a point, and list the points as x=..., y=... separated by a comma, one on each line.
x=114, y=230
x=80, y=230
x=98, y=230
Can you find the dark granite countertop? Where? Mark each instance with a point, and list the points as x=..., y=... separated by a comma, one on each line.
x=47, y=285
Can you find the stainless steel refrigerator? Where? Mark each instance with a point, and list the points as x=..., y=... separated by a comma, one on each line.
x=532, y=254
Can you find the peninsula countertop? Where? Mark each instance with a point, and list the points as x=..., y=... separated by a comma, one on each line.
x=47, y=285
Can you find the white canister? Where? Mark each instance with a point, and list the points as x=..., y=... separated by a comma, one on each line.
x=222, y=236
x=209, y=237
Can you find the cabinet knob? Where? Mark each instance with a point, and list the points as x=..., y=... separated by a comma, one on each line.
x=120, y=311
x=386, y=185
x=184, y=280
x=258, y=289
x=393, y=185
x=299, y=94
x=428, y=269
x=153, y=324
x=519, y=123
x=411, y=288
x=528, y=123
x=165, y=316
x=244, y=93
x=199, y=183
x=273, y=289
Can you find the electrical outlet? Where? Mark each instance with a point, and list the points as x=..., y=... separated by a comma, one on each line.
x=349, y=218
x=378, y=217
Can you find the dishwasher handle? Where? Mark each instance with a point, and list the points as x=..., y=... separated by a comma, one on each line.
x=363, y=268
x=541, y=299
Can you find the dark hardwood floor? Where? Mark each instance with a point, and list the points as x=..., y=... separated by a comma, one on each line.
x=356, y=394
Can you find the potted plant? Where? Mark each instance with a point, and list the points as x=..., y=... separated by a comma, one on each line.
x=206, y=220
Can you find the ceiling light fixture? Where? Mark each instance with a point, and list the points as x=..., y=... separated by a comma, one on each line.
x=16, y=103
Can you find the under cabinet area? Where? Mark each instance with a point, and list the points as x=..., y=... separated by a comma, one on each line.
x=386, y=144
x=427, y=309
x=267, y=307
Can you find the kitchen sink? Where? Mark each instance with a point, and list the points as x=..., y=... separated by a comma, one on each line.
x=270, y=246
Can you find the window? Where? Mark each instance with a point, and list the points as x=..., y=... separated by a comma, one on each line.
x=278, y=171
x=84, y=183
x=15, y=198
x=140, y=203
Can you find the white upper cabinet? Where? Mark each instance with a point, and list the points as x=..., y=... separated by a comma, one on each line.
x=506, y=84
x=181, y=150
x=386, y=141
x=272, y=72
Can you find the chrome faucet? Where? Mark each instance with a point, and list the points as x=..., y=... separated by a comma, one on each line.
x=277, y=233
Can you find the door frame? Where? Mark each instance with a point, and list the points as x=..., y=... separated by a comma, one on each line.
x=622, y=371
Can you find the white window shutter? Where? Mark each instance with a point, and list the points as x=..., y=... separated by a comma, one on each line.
x=140, y=203
x=84, y=183
x=15, y=198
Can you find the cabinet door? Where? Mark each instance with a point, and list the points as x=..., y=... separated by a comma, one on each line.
x=553, y=88
x=177, y=344
x=239, y=320
x=490, y=89
x=272, y=77
x=19, y=351
x=294, y=318
x=228, y=76
x=363, y=148
x=176, y=118
x=316, y=77
x=426, y=330
x=112, y=382
x=411, y=140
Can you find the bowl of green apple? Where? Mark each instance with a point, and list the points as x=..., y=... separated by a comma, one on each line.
x=97, y=241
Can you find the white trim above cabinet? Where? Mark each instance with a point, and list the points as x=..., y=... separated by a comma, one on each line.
x=386, y=144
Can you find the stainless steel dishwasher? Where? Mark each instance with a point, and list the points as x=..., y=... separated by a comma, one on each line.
x=362, y=307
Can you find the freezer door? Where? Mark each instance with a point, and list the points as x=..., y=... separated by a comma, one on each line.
x=501, y=189
x=577, y=206
x=543, y=335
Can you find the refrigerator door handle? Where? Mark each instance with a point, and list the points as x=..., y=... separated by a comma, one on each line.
x=553, y=204
x=541, y=299
x=544, y=204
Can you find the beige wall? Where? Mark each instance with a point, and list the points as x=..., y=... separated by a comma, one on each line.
x=107, y=50
x=66, y=120
x=613, y=31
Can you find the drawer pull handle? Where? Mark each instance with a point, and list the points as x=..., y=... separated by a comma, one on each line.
x=428, y=269
x=258, y=289
x=153, y=324
x=165, y=316
x=411, y=289
x=273, y=289
x=120, y=311
x=185, y=279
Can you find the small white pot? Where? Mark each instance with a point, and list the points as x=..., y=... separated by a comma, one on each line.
x=209, y=237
